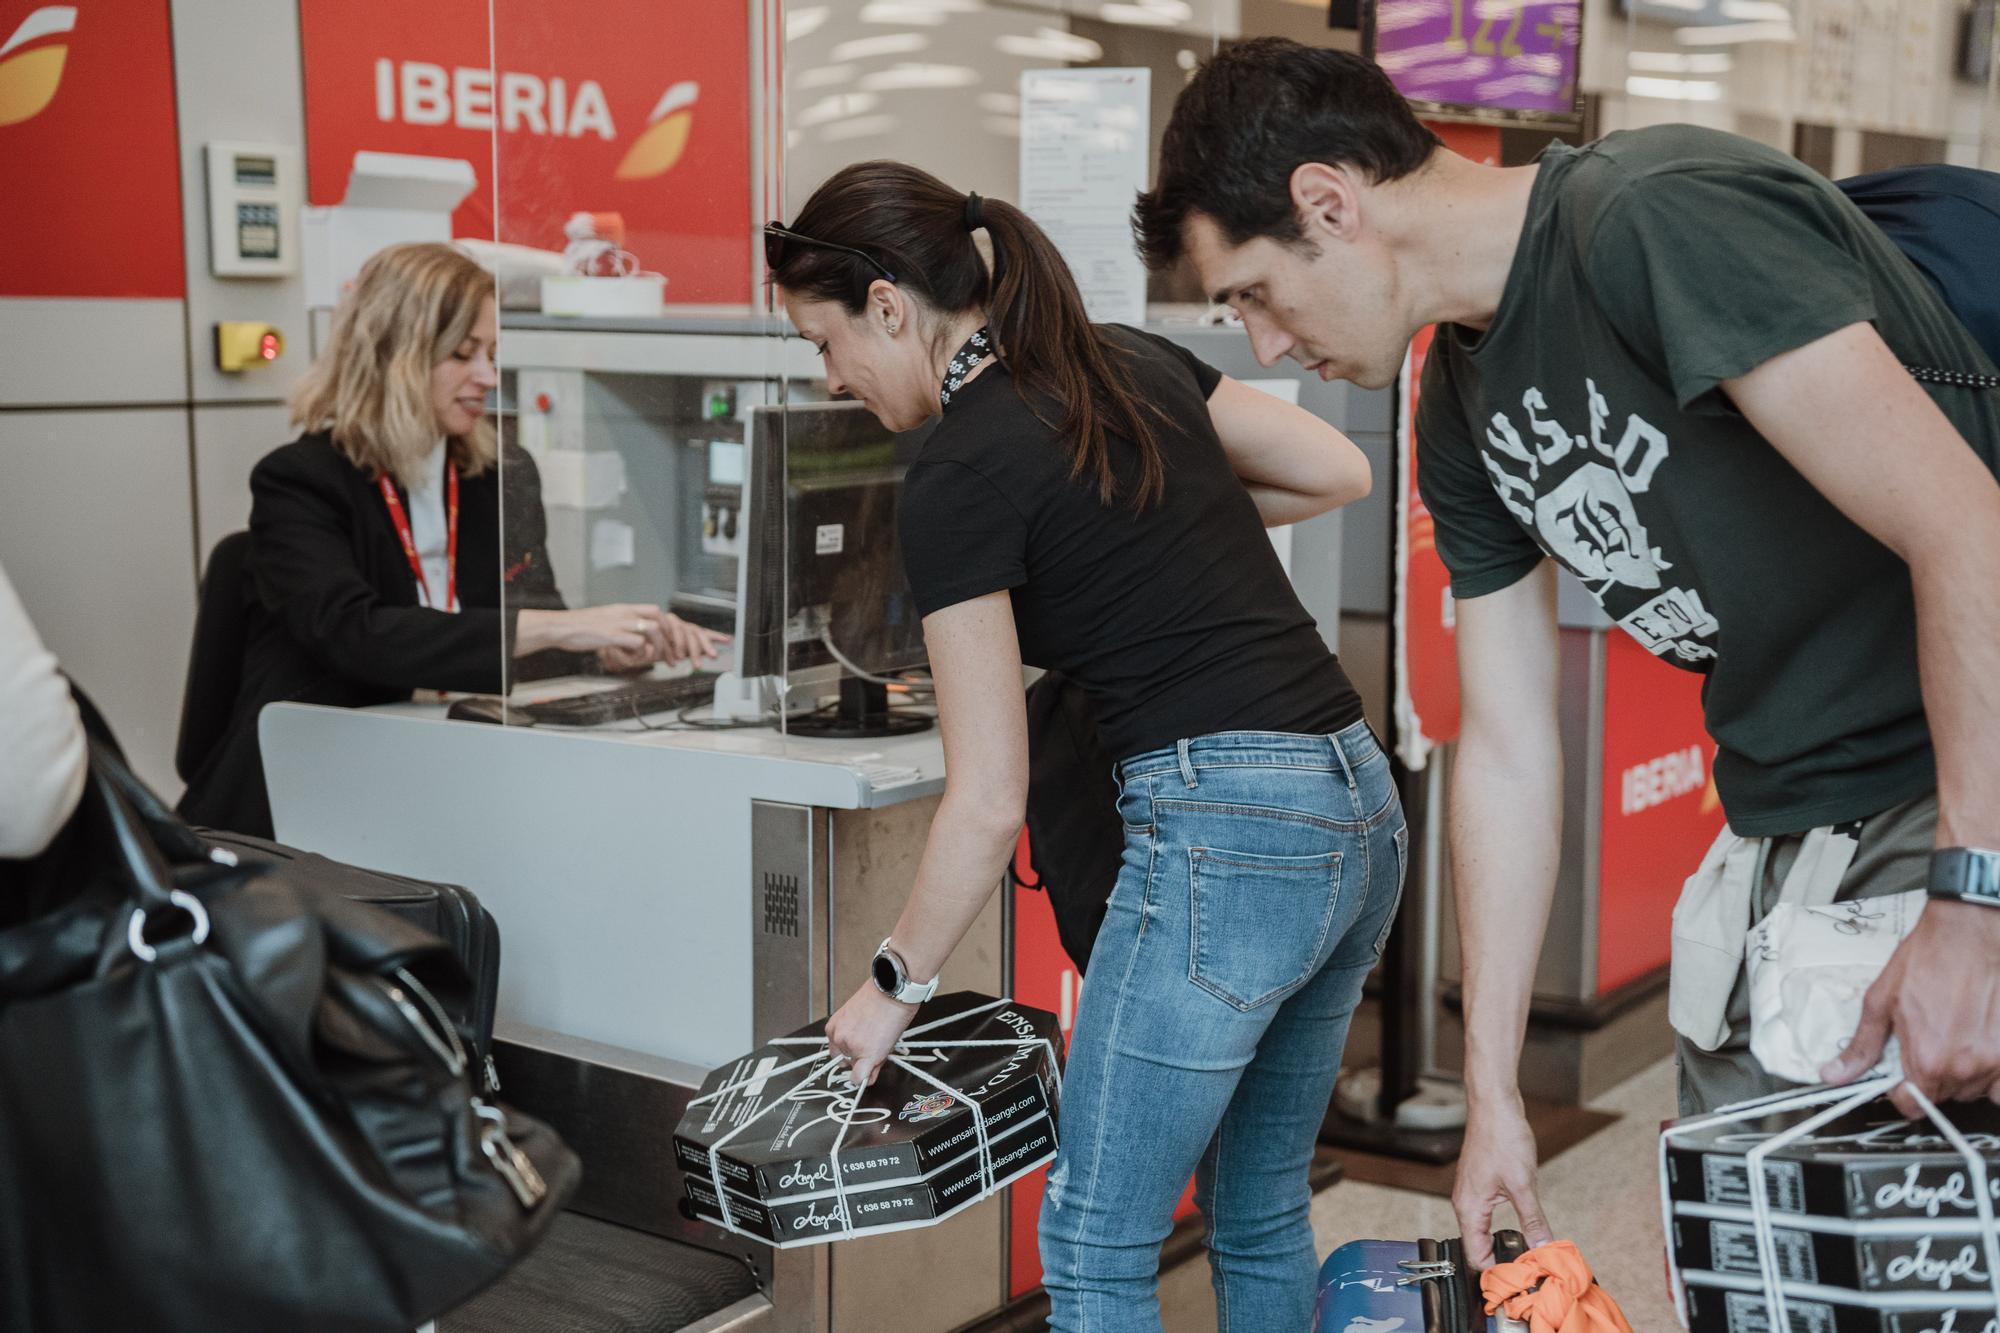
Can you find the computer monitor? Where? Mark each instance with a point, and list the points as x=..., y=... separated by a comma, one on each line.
x=823, y=598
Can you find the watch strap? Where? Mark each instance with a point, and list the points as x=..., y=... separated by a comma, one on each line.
x=908, y=991
x=1969, y=874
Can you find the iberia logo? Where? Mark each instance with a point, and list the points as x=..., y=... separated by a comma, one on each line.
x=28, y=81
x=665, y=137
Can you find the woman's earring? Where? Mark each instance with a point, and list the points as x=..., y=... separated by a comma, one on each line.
x=893, y=328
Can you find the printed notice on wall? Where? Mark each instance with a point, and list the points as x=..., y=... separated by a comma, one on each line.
x=1083, y=162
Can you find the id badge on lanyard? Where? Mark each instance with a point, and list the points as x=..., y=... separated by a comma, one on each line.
x=402, y=521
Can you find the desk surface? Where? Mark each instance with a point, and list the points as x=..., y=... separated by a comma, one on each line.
x=835, y=774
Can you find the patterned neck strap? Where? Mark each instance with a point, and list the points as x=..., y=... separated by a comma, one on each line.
x=977, y=348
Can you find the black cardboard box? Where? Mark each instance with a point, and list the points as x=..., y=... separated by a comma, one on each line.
x=1869, y=1163
x=1885, y=1256
x=775, y=1123
x=949, y=1187
x=1729, y=1303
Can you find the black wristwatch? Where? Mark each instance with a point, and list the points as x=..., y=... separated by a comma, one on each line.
x=1968, y=874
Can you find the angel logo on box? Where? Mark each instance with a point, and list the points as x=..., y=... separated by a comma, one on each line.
x=29, y=79
x=927, y=1106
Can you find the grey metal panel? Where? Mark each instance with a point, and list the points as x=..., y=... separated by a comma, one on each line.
x=788, y=918
x=88, y=352
x=1570, y=947
x=236, y=77
x=1340, y=561
x=1317, y=558
x=96, y=533
x=1366, y=582
x=228, y=442
x=1575, y=607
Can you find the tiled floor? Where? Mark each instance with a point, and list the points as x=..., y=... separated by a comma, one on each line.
x=1603, y=1194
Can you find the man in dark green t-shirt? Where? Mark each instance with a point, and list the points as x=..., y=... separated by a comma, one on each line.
x=1674, y=364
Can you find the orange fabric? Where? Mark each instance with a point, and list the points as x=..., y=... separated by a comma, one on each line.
x=1551, y=1288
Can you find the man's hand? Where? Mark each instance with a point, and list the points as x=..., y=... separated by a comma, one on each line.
x=866, y=1029
x=1940, y=996
x=1497, y=1165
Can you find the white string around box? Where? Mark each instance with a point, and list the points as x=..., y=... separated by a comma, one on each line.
x=824, y=1062
x=1764, y=1227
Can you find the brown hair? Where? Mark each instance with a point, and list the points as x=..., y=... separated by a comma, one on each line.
x=918, y=228
x=410, y=308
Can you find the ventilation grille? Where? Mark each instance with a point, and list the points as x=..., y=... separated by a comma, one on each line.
x=781, y=905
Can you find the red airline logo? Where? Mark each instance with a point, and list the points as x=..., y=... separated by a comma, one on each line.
x=29, y=78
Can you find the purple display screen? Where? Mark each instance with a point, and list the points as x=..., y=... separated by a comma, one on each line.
x=1497, y=55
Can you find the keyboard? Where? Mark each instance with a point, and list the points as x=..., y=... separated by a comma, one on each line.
x=622, y=703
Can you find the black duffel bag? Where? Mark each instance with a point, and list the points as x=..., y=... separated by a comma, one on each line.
x=229, y=1102
x=450, y=912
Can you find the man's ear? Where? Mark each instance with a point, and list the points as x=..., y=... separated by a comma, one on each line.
x=1328, y=200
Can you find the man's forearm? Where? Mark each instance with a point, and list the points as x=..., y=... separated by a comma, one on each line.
x=1506, y=826
x=1958, y=650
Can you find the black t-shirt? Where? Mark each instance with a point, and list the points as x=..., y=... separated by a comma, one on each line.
x=1177, y=620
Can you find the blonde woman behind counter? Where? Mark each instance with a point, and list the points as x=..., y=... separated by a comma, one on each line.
x=376, y=563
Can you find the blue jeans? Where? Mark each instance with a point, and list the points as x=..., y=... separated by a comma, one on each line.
x=1260, y=878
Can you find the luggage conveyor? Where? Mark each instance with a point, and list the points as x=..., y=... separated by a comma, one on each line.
x=622, y=1259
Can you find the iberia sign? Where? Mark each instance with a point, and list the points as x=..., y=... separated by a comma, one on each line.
x=636, y=107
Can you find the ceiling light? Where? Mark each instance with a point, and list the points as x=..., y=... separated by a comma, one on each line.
x=861, y=127
x=907, y=76
x=840, y=106
x=1730, y=34
x=826, y=76
x=805, y=22
x=1680, y=62
x=1050, y=44
x=928, y=13
x=1673, y=90
x=1147, y=13
x=888, y=44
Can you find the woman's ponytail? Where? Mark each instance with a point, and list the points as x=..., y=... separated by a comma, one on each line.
x=1051, y=347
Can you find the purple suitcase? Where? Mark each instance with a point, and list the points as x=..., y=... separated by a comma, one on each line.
x=1401, y=1286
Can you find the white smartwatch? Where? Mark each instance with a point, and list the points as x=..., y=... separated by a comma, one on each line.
x=893, y=979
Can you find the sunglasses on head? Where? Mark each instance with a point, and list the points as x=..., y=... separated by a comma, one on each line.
x=777, y=236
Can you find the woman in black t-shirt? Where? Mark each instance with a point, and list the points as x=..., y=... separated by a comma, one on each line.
x=1094, y=500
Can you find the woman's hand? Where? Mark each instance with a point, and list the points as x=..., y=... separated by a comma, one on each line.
x=866, y=1029
x=687, y=641
x=631, y=628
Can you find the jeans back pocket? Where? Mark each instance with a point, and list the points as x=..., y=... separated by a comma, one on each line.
x=1258, y=923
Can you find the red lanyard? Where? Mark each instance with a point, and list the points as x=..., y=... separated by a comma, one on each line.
x=402, y=522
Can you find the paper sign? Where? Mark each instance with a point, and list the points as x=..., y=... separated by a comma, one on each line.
x=1083, y=162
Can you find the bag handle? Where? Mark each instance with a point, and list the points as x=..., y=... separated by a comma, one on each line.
x=143, y=869
x=133, y=835
x=174, y=839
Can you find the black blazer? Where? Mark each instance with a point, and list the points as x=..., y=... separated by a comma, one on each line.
x=332, y=610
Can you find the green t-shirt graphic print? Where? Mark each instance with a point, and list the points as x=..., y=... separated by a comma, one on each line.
x=1587, y=424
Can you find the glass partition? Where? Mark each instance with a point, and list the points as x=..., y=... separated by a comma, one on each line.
x=638, y=351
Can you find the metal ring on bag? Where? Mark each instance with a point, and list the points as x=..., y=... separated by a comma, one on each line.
x=135, y=933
